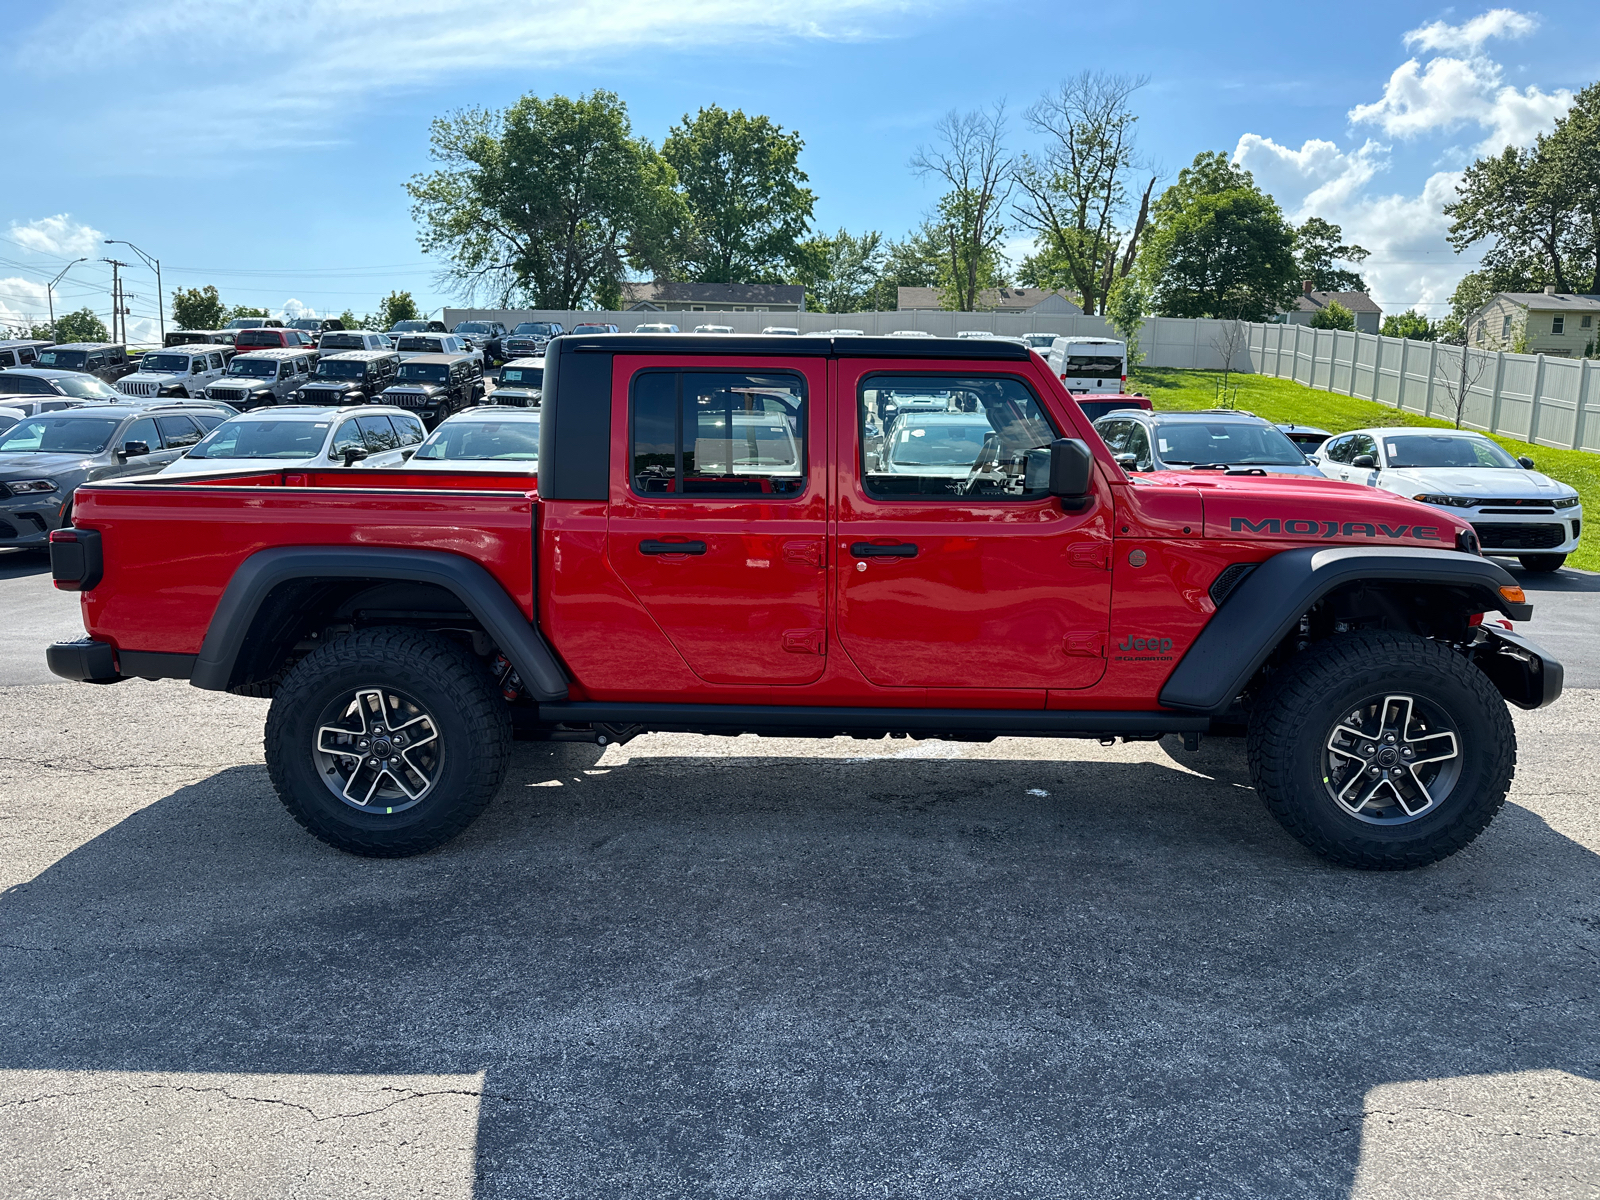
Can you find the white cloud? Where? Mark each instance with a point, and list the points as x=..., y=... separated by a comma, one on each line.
x=293, y=72
x=1448, y=92
x=22, y=302
x=59, y=236
x=293, y=310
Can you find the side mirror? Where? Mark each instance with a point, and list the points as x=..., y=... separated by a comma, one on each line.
x=353, y=455
x=1314, y=459
x=406, y=454
x=1128, y=462
x=1525, y=463
x=135, y=449
x=1364, y=460
x=1071, y=468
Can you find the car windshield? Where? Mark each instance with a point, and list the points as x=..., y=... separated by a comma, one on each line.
x=251, y=438
x=416, y=372
x=408, y=326
x=257, y=368
x=310, y=324
x=68, y=360
x=1424, y=450
x=530, y=377
x=1233, y=443
x=59, y=435
x=87, y=387
x=484, y=441
x=246, y=323
x=941, y=444
x=471, y=327
x=540, y=328
x=335, y=369
x=165, y=364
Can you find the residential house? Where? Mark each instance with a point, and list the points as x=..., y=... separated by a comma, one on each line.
x=1562, y=324
x=1001, y=300
x=713, y=297
x=1310, y=302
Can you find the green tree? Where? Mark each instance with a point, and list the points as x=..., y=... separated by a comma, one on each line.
x=349, y=320
x=1515, y=203
x=972, y=160
x=1572, y=155
x=1318, y=246
x=80, y=326
x=911, y=262
x=1409, y=324
x=747, y=203
x=1074, y=195
x=551, y=201
x=396, y=307
x=1218, y=246
x=1125, y=309
x=844, y=271
x=244, y=310
x=198, y=308
x=1333, y=315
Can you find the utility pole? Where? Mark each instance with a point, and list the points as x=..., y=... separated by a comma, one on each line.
x=116, y=300
x=161, y=297
x=50, y=295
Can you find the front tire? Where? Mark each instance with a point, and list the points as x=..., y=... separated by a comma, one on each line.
x=387, y=742
x=1382, y=751
x=1542, y=563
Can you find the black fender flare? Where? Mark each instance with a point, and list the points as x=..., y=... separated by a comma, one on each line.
x=478, y=591
x=1261, y=610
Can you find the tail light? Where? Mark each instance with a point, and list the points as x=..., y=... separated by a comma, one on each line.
x=76, y=563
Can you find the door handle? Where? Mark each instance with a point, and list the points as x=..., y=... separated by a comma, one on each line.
x=649, y=546
x=868, y=550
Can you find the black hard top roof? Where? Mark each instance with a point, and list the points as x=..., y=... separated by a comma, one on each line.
x=781, y=346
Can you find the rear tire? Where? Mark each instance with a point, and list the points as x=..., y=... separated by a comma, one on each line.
x=387, y=742
x=1382, y=751
x=1542, y=563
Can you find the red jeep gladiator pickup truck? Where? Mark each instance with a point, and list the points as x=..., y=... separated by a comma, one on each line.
x=862, y=536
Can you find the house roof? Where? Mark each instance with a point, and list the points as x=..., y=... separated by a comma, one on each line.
x=1560, y=302
x=1356, y=302
x=715, y=293
x=927, y=299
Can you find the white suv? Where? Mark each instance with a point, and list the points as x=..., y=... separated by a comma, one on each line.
x=185, y=371
x=306, y=437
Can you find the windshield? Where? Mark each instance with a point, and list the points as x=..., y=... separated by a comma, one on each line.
x=257, y=368
x=484, y=441
x=937, y=445
x=471, y=327
x=165, y=364
x=334, y=369
x=541, y=328
x=343, y=341
x=59, y=435
x=246, y=323
x=531, y=377
x=87, y=387
x=590, y=329
x=417, y=372
x=243, y=438
x=407, y=326
x=70, y=360
x=1423, y=450
x=1231, y=443
x=312, y=325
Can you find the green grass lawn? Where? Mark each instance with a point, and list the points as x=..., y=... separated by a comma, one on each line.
x=1284, y=400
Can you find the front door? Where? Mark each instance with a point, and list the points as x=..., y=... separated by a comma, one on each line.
x=717, y=525
x=955, y=568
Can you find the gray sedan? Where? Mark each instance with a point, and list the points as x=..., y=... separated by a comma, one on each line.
x=44, y=458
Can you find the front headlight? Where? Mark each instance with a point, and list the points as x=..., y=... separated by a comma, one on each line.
x=1451, y=501
x=1568, y=502
x=23, y=487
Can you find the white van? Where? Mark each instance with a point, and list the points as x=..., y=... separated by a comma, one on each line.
x=1089, y=364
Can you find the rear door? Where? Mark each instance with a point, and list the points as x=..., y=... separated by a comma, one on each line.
x=955, y=568
x=718, y=511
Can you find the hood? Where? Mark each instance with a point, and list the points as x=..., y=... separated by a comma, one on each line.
x=427, y=389
x=1307, y=469
x=153, y=377
x=35, y=466
x=1488, y=482
x=332, y=385
x=247, y=382
x=1306, y=511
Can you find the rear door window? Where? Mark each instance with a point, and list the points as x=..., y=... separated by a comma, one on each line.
x=178, y=431
x=379, y=434
x=143, y=430
x=410, y=430
x=718, y=433
x=347, y=437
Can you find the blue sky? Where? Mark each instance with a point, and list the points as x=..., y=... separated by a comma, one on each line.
x=263, y=148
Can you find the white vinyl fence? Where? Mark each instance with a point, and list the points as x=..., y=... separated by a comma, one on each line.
x=1540, y=399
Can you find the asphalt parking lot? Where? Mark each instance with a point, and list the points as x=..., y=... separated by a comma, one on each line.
x=694, y=967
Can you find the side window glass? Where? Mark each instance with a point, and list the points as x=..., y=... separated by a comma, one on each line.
x=1138, y=445
x=178, y=431
x=301, y=366
x=380, y=435
x=346, y=437
x=1338, y=450
x=982, y=437
x=1362, y=444
x=719, y=433
x=410, y=430
x=1115, y=435
x=96, y=362
x=197, y=366
x=142, y=430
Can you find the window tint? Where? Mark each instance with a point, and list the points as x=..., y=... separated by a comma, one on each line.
x=1139, y=446
x=1115, y=435
x=346, y=437
x=30, y=385
x=301, y=366
x=142, y=430
x=1361, y=444
x=1338, y=450
x=178, y=431
x=719, y=433
x=410, y=430
x=940, y=436
x=380, y=435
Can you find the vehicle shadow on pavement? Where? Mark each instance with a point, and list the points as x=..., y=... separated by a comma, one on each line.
x=18, y=564
x=737, y=974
